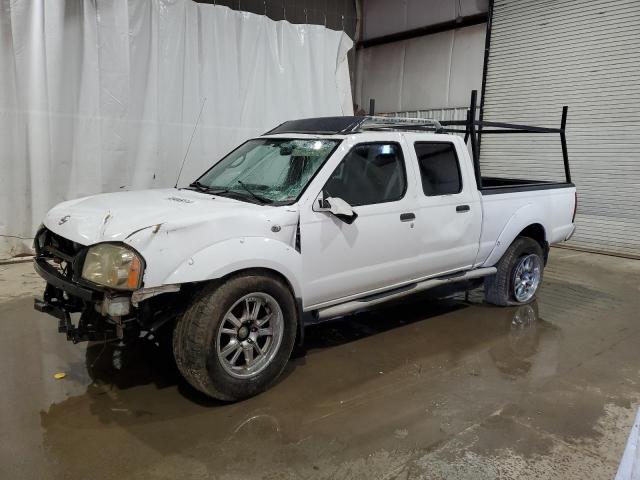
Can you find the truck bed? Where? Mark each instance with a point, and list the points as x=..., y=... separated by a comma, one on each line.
x=493, y=185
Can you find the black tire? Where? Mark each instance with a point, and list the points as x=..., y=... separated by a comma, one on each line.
x=498, y=288
x=194, y=344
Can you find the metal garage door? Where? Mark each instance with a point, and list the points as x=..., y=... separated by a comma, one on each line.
x=585, y=54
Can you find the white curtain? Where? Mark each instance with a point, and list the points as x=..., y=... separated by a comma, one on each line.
x=102, y=95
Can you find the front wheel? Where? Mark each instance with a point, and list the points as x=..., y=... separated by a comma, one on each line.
x=235, y=339
x=519, y=274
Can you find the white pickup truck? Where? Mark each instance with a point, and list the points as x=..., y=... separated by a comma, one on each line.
x=314, y=220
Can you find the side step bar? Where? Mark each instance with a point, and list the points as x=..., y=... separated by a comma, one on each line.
x=366, y=302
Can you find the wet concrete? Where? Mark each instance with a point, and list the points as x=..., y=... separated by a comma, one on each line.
x=427, y=388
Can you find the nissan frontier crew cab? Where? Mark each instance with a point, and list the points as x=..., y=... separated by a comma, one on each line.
x=314, y=220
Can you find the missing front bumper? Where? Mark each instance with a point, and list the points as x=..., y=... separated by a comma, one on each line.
x=99, y=319
x=90, y=326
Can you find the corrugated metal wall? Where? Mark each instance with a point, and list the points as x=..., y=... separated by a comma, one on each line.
x=584, y=54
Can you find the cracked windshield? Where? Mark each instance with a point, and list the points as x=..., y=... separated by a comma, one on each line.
x=267, y=171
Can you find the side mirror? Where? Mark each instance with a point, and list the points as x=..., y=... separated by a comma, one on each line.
x=336, y=206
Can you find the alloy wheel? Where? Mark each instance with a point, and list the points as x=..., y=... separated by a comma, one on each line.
x=250, y=335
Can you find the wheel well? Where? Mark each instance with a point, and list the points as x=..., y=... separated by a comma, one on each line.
x=536, y=232
x=261, y=271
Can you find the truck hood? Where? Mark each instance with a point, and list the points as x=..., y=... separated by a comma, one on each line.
x=125, y=216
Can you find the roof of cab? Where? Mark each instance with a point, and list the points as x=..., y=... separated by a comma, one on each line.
x=323, y=125
x=352, y=124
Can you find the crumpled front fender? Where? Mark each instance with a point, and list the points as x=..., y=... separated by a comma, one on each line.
x=230, y=256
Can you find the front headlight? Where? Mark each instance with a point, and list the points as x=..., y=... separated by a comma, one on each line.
x=113, y=266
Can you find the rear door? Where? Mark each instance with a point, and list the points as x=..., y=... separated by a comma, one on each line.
x=379, y=248
x=449, y=215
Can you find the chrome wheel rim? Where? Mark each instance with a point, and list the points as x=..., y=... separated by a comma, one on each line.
x=250, y=335
x=526, y=278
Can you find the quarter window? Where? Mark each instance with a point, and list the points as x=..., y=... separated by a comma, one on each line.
x=370, y=173
x=439, y=168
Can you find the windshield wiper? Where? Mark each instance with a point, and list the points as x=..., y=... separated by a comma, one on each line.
x=205, y=189
x=199, y=186
x=261, y=199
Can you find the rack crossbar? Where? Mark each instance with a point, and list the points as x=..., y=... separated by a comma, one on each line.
x=474, y=129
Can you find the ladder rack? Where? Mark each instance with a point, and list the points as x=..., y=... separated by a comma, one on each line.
x=474, y=129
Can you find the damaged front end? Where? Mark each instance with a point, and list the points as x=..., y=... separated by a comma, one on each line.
x=105, y=313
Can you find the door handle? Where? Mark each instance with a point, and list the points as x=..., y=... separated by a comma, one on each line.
x=407, y=217
x=463, y=208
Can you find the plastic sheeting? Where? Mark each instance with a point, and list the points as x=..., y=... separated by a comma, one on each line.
x=102, y=95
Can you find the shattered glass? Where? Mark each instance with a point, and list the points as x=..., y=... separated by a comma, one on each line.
x=274, y=169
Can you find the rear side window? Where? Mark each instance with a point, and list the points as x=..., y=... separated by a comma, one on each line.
x=439, y=168
x=370, y=173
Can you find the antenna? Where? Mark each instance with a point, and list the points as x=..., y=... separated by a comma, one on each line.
x=190, y=140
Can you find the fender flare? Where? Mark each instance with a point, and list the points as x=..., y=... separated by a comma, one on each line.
x=522, y=218
x=229, y=256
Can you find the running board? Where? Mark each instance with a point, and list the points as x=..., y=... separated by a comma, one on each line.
x=366, y=302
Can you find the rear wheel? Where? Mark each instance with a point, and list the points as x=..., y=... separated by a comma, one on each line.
x=519, y=274
x=235, y=339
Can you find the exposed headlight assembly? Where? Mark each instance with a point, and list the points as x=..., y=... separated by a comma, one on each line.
x=113, y=266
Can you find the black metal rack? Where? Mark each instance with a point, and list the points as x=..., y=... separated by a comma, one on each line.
x=474, y=129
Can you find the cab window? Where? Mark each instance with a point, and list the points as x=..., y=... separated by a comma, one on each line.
x=370, y=173
x=439, y=168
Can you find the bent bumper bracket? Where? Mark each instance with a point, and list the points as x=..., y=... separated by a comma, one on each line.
x=64, y=319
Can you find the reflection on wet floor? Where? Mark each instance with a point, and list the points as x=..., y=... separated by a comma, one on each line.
x=440, y=383
x=383, y=366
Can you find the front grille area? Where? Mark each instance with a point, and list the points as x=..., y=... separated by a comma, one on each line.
x=59, y=252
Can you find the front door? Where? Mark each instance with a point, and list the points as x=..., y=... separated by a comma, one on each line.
x=379, y=248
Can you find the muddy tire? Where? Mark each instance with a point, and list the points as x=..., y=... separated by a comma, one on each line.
x=235, y=338
x=519, y=274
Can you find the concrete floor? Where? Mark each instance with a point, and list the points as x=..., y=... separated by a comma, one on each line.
x=425, y=389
